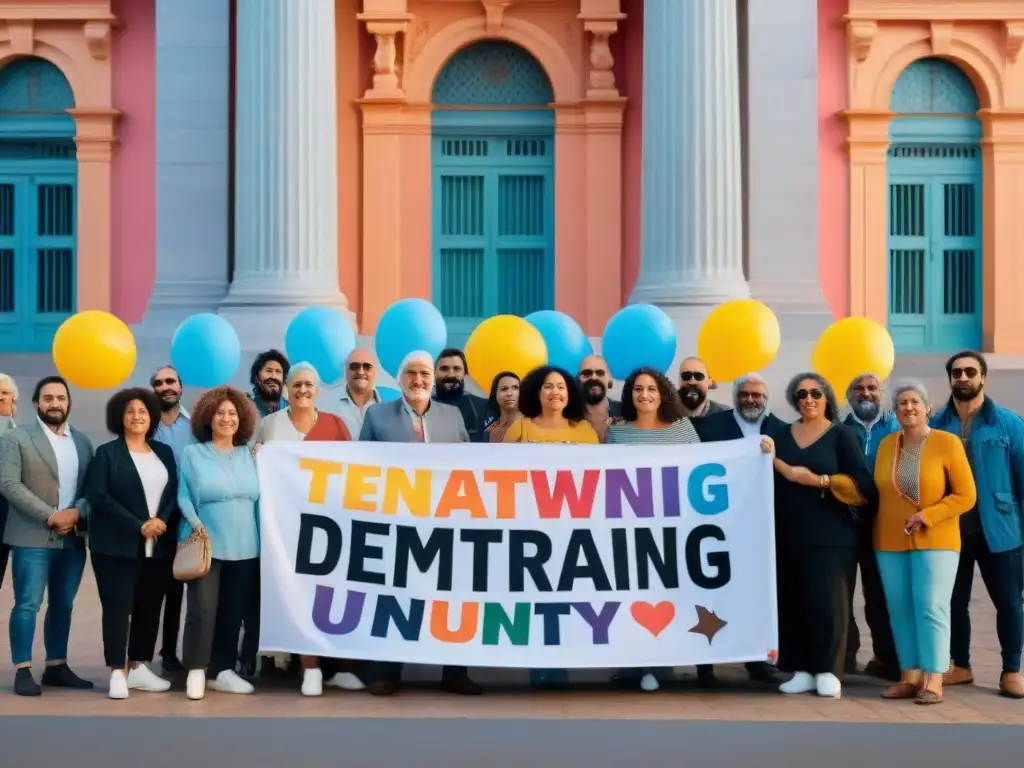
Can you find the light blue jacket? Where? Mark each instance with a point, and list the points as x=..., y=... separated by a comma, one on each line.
x=996, y=453
x=870, y=438
x=220, y=490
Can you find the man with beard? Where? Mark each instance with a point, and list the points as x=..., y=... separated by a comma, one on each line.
x=596, y=383
x=694, y=384
x=749, y=417
x=174, y=431
x=992, y=534
x=870, y=422
x=450, y=389
x=267, y=375
x=43, y=467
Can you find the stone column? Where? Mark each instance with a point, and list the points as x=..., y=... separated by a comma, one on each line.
x=691, y=191
x=782, y=189
x=192, y=163
x=286, y=194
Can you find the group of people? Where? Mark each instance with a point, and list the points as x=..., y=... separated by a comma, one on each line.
x=914, y=496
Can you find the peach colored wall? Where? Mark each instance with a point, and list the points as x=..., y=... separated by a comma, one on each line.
x=833, y=159
x=133, y=193
x=349, y=79
x=628, y=47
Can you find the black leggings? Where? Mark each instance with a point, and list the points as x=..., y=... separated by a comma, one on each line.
x=131, y=594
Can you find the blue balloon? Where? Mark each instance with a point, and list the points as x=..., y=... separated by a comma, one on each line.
x=638, y=336
x=567, y=343
x=322, y=337
x=205, y=351
x=387, y=394
x=409, y=325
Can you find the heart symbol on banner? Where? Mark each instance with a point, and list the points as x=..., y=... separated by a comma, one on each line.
x=653, y=618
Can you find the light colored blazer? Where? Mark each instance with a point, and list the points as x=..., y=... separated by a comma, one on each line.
x=29, y=482
x=390, y=423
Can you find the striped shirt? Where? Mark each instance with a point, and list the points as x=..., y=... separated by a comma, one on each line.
x=681, y=431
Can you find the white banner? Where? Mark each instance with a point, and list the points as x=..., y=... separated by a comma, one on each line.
x=518, y=555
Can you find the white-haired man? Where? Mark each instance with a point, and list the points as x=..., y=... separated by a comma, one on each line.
x=870, y=420
x=748, y=417
x=8, y=400
x=415, y=418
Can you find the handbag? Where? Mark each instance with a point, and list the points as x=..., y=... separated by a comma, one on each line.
x=194, y=557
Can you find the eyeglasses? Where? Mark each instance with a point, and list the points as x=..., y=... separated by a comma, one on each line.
x=964, y=373
x=756, y=396
x=163, y=382
x=814, y=394
x=691, y=376
x=593, y=373
x=360, y=367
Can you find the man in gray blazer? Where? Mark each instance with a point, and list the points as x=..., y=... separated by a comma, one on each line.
x=8, y=400
x=43, y=466
x=415, y=418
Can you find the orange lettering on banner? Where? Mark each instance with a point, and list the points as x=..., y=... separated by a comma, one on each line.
x=359, y=490
x=505, y=482
x=322, y=471
x=453, y=500
x=468, y=622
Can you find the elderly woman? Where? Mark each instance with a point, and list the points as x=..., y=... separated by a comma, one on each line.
x=300, y=420
x=924, y=484
x=8, y=398
x=217, y=493
x=132, y=489
x=816, y=537
x=502, y=406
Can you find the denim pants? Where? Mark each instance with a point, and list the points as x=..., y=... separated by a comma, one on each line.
x=1003, y=574
x=38, y=572
x=918, y=587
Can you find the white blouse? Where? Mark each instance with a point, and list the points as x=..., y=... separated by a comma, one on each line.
x=153, y=475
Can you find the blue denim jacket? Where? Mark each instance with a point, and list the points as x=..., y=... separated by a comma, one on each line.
x=996, y=453
x=870, y=438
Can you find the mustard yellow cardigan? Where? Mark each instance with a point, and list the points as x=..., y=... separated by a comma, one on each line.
x=946, y=489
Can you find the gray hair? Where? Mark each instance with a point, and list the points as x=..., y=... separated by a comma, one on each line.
x=757, y=378
x=418, y=356
x=9, y=381
x=867, y=375
x=911, y=385
x=299, y=368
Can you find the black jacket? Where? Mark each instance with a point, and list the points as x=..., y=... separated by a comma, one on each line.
x=118, y=500
x=722, y=426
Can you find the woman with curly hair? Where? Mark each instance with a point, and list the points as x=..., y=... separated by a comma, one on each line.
x=502, y=406
x=217, y=493
x=132, y=489
x=819, y=466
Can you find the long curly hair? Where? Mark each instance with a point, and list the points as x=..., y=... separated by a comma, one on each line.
x=671, y=408
x=533, y=382
x=206, y=407
x=831, y=407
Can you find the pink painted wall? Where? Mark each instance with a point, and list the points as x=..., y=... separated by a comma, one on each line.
x=628, y=50
x=133, y=194
x=833, y=161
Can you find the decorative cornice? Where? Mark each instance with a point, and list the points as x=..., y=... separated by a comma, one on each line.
x=1014, y=39
x=97, y=37
x=495, y=11
x=22, y=36
x=94, y=133
x=860, y=36
x=941, y=37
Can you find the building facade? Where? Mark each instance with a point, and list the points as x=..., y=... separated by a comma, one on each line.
x=164, y=157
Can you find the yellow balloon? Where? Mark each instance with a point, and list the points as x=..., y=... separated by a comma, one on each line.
x=737, y=338
x=850, y=347
x=94, y=350
x=504, y=343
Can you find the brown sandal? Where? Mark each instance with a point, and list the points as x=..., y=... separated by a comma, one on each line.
x=901, y=691
x=924, y=696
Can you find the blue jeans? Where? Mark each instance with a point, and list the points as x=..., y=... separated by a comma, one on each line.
x=39, y=572
x=918, y=588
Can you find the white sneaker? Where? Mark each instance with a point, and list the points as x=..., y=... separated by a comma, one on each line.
x=195, y=684
x=142, y=678
x=312, y=682
x=118, y=685
x=228, y=681
x=828, y=686
x=347, y=682
x=649, y=683
x=802, y=682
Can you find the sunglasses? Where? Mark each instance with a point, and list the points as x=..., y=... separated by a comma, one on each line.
x=964, y=373
x=593, y=373
x=360, y=367
x=814, y=394
x=691, y=376
x=163, y=382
